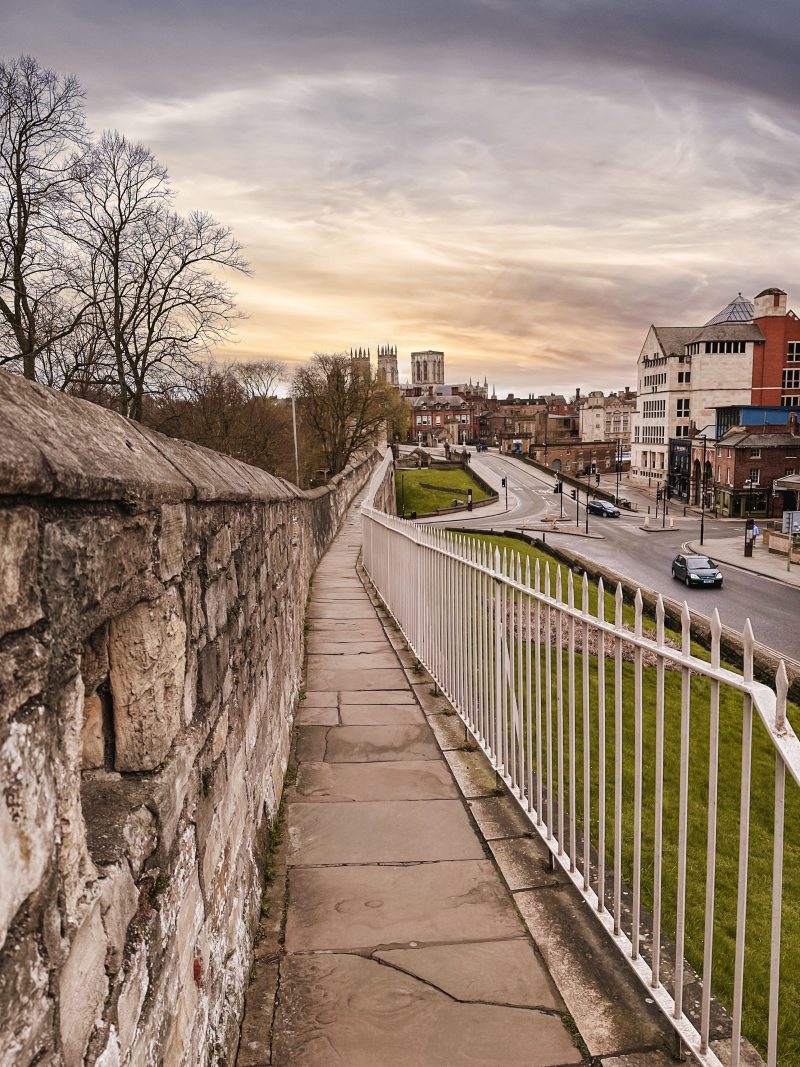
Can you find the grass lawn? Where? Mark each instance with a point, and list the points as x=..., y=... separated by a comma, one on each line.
x=429, y=490
x=756, y=986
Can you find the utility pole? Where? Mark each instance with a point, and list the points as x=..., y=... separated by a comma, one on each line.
x=588, y=476
x=296, y=454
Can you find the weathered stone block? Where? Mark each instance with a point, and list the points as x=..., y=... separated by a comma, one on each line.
x=119, y=899
x=20, y=600
x=147, y=651
x=93, y=743
x=131, y=998
x=27, y=807
x=26, y=1007
x=23, y=672
x=82, y=986
x=170, y=540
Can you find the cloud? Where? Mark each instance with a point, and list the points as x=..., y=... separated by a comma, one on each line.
x=524, y=183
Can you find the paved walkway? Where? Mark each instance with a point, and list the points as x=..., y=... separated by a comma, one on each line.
x=402, y=944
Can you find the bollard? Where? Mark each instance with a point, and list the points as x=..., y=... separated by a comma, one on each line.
x=647, y=518
x=671, y=523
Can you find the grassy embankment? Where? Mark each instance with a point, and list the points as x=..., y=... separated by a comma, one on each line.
x=756, y=988
x=429, y=490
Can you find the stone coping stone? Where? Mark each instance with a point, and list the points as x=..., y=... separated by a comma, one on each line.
x=381, y=831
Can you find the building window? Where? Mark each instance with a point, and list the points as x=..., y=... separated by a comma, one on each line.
x=682, y=408
x=755, y=453
x=790, y=379
x=755, y=475
x=793, y=352
x=790, y=401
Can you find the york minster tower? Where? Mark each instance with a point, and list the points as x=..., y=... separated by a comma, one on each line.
x=427, y=368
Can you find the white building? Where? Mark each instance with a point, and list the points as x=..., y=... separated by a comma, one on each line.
x=684, y=372
x=607, y=418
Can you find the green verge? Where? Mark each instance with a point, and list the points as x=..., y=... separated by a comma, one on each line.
x=429, y=490
x=759, y=898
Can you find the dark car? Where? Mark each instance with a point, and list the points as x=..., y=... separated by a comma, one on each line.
x=696, y=570
x=602, y=507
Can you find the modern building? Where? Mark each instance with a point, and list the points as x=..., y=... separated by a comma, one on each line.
x=747, y=354
x=747, y=464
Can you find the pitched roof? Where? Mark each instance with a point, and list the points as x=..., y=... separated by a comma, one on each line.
x=739, y=310
x=673, y=339
x=738, y=438
x=729, y=331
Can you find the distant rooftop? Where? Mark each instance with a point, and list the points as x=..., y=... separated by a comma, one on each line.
x=739, y=310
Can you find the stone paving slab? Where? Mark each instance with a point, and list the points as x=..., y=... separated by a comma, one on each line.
x=341, y=612
x=368, y=629
x=380, y=714
x=321, y=644
x=367, y=907
x=345, y=661
x=384, y=831
x=377, y=744
x=399, y=780
x=359, y=1013
x=376, y=696
x=310, y=715
x=492, y=972
x=329, y=678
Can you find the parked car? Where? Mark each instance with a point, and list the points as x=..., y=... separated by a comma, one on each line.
x=604, y=508
x=696, y=570
x=624, y=502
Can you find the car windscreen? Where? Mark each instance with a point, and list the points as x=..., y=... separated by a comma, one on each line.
x=700, y=563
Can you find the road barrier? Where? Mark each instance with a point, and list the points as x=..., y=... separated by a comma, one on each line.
x=610, y=738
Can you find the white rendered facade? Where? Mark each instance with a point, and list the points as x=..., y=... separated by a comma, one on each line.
x=606, y=418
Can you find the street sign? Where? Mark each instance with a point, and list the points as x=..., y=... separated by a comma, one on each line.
x=791, y=521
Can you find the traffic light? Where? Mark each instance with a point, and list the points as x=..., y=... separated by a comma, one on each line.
x=574, y=494
x=597, y=479
x=503, y=483
x=469, y=500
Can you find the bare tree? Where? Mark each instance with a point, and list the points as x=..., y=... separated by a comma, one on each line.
x=159, y=298
x=346, y=406
x=42, y=138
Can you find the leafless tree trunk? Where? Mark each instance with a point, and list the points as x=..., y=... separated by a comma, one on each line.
x=42, y=138
x=345, y=404
x=159, y=303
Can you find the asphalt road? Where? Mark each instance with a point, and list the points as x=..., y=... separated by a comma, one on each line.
x=772, y=607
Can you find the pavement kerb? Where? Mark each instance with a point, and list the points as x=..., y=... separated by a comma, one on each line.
x=708, y=549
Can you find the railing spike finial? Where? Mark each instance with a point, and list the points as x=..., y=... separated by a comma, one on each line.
x=505, y=561
x=782, y=692
x=585, y=593
x=748, y=643
x=638, y=605
x=537, y=575
x=601, y=600
x=519, y=568
x=686, y=629
x=528, y=571
x=618, y=605
x=660, y=620
x=559, y=586
x=570, y=588
x=496, y=567
x=547, y=578
x=716, y=636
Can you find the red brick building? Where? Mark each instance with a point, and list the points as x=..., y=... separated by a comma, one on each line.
x=776, y=361
x=746, y=463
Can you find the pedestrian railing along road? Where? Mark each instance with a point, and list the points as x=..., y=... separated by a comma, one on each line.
x=656, y=775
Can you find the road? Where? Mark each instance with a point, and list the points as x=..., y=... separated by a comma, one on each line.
x=771, y=606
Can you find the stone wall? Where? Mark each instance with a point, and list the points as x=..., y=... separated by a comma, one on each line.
x=152, y=598
x=381, y=490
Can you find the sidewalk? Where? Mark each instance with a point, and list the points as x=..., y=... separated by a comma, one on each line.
x=414, y=885
x=402, y=945
x=730, y=550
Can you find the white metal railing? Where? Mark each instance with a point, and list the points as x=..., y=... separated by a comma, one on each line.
x=567, y=705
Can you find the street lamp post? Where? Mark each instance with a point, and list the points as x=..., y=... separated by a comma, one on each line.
x=588, y=477
x=703, y=492
x=618, y=464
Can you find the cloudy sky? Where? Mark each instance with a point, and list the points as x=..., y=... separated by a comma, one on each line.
x=526, y=184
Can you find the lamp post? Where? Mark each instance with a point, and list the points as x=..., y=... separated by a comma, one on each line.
x=617, y=464
x=703, y=492
x=588, y=477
